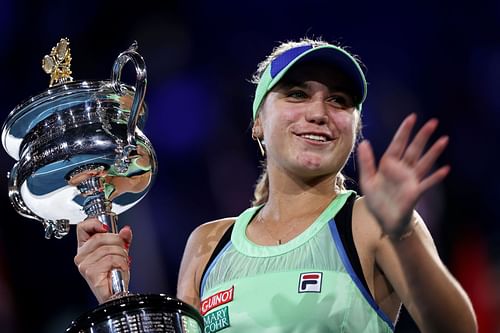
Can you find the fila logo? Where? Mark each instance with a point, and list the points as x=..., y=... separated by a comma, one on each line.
x=310, y=282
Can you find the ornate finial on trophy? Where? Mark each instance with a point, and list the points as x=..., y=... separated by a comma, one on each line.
x=134, y=46
x=58, y=63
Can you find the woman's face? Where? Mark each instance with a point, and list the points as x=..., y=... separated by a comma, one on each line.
x=308, y=121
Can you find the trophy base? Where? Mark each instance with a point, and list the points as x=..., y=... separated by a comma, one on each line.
x=140, y=314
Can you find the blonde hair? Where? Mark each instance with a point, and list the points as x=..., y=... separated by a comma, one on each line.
x=261, y=192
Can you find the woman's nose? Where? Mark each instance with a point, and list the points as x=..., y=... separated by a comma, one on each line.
x=317, y=113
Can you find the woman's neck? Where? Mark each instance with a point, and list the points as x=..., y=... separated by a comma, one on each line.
x=294, y=197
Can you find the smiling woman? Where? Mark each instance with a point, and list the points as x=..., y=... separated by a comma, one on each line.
x=347, y=92
x=311, y=255
x=309, y=115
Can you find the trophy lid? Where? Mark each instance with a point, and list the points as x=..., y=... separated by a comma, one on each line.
x=63, y=94
x=58, y=99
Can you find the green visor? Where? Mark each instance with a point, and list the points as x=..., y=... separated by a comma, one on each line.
x=325, y=53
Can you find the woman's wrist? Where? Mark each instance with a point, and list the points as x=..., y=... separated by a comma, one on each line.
x=404, y=232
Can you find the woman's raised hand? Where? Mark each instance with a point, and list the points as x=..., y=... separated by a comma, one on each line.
x=403, y=174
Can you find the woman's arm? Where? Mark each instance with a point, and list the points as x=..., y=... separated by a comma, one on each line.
x=199, y=247
x=432, y=296
x=406, y=252
x=187, y=287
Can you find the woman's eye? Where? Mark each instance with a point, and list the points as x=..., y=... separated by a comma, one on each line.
x=297, y=94
x=341, y=101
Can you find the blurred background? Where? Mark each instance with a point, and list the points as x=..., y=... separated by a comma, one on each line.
x=435, y=58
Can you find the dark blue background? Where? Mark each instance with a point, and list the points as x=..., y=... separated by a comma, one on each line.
x=435, y=58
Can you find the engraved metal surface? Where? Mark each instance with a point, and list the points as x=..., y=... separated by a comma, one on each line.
x=140, y=313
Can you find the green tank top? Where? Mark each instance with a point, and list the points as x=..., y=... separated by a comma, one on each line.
x=305, y=285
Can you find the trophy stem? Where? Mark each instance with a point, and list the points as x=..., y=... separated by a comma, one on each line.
x=96, y=205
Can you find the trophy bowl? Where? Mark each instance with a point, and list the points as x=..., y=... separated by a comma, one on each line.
x=79, y=146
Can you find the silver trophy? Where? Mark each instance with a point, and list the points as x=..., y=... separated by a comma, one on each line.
x=81, y=152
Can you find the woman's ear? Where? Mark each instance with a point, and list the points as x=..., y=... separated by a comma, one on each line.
x=257, y=132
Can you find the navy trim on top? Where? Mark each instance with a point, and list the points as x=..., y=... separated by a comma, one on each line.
x=226, y=237
x=354, y=276
x=209, y=269
x=343, y=221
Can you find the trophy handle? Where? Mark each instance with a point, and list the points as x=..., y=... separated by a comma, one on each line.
x=57, y=228
x=16, y=198
x=140, y=90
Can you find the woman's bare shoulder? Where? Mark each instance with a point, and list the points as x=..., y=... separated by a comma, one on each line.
x=211, y=232
x=199, y=248
x=204, y=239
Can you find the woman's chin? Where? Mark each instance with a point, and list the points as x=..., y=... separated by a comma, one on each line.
x=314, y=168
x=311, y=162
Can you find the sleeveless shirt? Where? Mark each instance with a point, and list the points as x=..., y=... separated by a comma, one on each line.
x=305, y=285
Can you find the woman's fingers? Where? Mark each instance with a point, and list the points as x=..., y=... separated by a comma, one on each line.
x=93, y=269
x=88, y=228
x=99, y=240
x=413, y=153
x=97, y=274
x=126, y=234
x=434, y=178
x=424, y=165
x=366, y=161
x=105, y=251
x=400, y=140
x=101, y=253
x=417, y=145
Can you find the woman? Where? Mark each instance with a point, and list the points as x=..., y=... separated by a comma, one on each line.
x=311, y=256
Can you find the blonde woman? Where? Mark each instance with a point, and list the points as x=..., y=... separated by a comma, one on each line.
x=311, y=255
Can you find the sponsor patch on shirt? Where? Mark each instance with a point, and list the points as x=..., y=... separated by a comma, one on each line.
x=310, y=282
x=211, y=302
x=217, y=320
